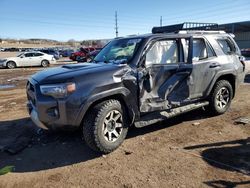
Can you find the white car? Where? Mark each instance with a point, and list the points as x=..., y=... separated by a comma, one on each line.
x=28, y=59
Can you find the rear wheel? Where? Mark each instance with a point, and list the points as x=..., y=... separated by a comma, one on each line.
x=221, y=97
x=11, y=65
x=105, y=126
x=45, y=63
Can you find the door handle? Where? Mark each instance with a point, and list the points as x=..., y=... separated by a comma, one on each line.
x=214, y=65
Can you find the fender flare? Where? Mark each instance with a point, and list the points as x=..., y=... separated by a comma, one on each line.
x=220, y=74
x=112, y=93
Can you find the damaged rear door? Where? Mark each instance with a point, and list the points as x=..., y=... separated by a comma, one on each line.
x=162, y=76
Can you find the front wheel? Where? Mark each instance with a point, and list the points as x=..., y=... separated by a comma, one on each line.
x=221, y=97
x=11, y=65
x=105, y=126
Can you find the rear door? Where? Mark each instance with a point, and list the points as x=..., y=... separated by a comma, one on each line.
x=205, y=67
x=162, y=77
x=38, y=57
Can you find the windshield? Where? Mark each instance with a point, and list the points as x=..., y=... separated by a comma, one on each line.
x=120, y=49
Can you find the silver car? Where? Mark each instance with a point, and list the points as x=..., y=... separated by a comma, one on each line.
x=28, y=59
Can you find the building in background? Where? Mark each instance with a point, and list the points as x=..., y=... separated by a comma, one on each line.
x=241, y=30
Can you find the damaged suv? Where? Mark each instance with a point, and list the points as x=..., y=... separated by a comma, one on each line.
x=138, y=80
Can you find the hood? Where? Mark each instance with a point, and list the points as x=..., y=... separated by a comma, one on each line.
x=69, y=72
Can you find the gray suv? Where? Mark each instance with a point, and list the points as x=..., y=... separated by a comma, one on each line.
x=138, y=80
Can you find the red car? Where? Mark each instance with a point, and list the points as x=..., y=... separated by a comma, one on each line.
x=81, y=54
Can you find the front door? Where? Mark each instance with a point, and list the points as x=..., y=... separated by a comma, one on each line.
x=162, y=77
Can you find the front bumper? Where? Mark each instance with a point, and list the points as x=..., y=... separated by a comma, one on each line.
x=53, y=61
x=34, y=117
x=49, y=113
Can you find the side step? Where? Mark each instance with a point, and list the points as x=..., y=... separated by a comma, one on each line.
x=158, y=116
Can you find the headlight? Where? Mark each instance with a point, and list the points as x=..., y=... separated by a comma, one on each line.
x=58, y=90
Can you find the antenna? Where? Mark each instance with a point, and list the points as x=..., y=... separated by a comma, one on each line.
x=116, y=25
x=161, y=21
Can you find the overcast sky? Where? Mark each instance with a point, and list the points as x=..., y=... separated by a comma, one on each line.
x=95, y=19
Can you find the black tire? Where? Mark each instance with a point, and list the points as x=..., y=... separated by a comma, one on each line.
x=216, y=106
x=94, y=126
x=11, y=65
x=45, y=63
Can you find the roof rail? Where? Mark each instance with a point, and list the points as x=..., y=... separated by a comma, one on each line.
x=186, y=26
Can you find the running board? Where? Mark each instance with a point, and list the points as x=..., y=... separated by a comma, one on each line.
x=158, y=116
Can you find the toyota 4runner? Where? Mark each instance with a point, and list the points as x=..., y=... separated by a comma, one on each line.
x=139, y=80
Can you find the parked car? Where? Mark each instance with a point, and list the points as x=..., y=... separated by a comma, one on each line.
x=138, y=81
x=66, y=53
x=89, y=57
x=11, y=50
x=28, y=59
x=51, y=52
x=246, y=52
x=82, y=53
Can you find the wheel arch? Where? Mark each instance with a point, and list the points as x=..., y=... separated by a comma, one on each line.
x=45, y=60
x=11, y=61
x=121, y=97
x=231, y=78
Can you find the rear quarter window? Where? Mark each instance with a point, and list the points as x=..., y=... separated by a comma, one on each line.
x=227, y=46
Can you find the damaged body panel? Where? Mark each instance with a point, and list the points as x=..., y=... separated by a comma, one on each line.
x=137, y=80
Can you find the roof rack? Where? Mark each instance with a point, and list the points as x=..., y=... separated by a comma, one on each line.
x=186, y=26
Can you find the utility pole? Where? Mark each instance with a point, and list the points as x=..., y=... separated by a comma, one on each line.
x=161, y=21
x=116, y=25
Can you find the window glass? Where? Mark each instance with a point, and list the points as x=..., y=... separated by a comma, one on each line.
x=37, y=54
x=163, y=52
x=226, y=46
x=120, y=49
x=199, y=50
x=28, y=55
x=210, y=52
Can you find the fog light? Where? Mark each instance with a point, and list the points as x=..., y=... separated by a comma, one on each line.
x=53, y=112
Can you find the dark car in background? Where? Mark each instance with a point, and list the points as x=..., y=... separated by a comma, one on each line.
x=66, y=52
x=245, y=52
x=51, y=52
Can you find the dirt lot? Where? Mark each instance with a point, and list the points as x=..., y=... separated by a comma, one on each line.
x=192, y=150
